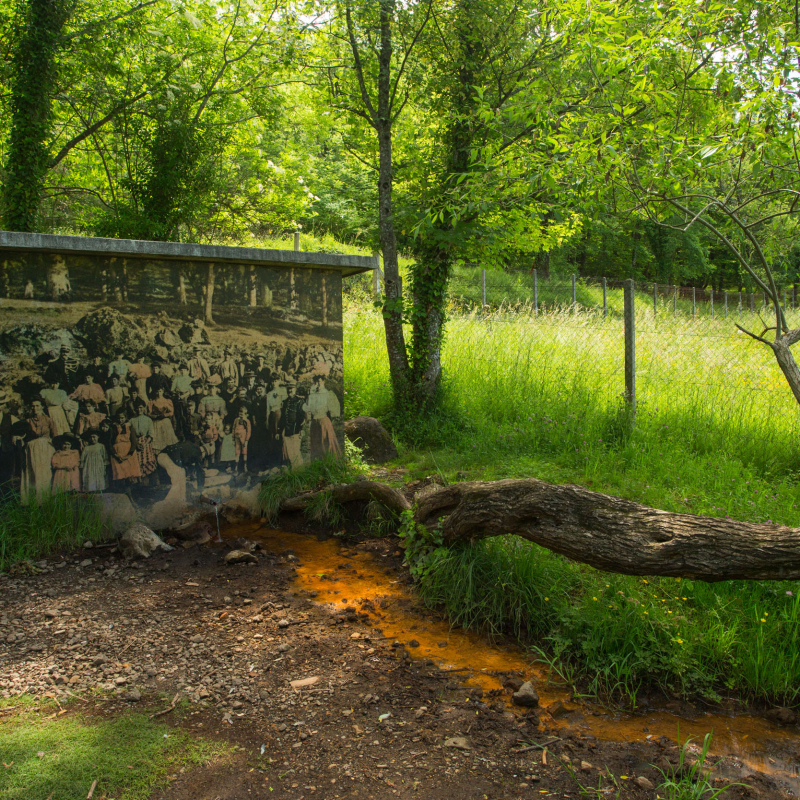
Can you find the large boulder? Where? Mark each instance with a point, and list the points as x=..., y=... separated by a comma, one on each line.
x=139, y=542
x=31, y=339
x=106, y=332
x=368, y=434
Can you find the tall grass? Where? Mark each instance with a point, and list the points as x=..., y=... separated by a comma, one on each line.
x=540, y=395
x=30, y=530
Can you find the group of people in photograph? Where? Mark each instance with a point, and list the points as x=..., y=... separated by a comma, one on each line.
x=109, y=424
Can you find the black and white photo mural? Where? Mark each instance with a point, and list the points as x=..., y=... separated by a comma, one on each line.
x=165, y=379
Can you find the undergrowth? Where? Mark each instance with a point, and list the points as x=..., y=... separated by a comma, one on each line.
x=314, y=475
x=539, y=396
x=31, y=529
x=614, y=634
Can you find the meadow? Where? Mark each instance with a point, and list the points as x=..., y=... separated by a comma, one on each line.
x=540, y=395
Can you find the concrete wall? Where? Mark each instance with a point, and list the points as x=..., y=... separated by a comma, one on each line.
x=164, y=379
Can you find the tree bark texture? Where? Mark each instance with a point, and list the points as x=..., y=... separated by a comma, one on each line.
x=382, y=122
x=208, y=315
x=605, y=532
x=615, y=535
x=350, y=492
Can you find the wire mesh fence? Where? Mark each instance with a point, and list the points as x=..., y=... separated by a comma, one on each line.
x=562, y=342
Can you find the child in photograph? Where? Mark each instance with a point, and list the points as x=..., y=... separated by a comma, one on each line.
x=242, y=431
x=94, y=463
x=227, y=451
x=65, y=463
x=209, y=439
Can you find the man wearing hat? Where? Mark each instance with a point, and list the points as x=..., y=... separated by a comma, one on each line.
x=198, y=366
x=275, y=399
x=293, y=418
x=63, y=370
x=228, y=368
x=158, y=380
x=181, y=389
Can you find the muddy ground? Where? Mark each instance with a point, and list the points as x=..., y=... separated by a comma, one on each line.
x=376, y=719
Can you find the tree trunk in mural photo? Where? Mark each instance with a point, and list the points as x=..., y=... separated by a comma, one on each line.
x=208, y=307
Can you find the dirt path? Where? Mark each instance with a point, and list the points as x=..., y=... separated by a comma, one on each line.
x=377, y=719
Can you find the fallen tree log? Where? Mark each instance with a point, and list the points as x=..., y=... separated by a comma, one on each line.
x=612, y=534
x=350, y=492
x=606, y=532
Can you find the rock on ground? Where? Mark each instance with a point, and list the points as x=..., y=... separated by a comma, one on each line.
x=526, y=696
x=372, y=437
x=139, y=542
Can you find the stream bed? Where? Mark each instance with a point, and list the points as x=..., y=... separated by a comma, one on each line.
x=339, y=576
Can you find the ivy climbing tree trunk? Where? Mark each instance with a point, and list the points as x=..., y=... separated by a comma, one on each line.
x=35, y=70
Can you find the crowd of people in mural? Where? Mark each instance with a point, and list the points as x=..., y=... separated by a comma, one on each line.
x=103, y=426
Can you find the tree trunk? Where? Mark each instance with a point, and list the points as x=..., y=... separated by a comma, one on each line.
x=350, y=492
x=180, y=289
x=606, y=532
x=292, y=291
x=324, y=301
x=34, y=73
x=252, y=283
x=209, y=298
x=430, y=275
x=58, y=284
x=615, y=535
x=392, y=304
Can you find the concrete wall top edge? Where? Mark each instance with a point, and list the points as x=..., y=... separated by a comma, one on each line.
x=134, y=248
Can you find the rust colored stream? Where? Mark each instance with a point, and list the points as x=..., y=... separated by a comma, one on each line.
x=340, y=576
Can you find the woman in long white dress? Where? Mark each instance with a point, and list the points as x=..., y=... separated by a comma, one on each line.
x=38, y=473
x=54, y=399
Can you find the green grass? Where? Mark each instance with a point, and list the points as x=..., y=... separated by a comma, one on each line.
x=129, y=757
x=691, y=782
x=614, y=634
x=29, y=530
x=539, y=396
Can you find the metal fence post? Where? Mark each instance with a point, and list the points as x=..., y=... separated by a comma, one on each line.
x=483, y=285
x=675, y=302
x=605, y=299
x=297, y=240
x=574, y=296
x=763, y=300
x=712, y=301
x=535, y=293
x=694, y=302
x=655, y=299
x=726, y=305
x=740, y=304
x=630, y=343
x=752, y=302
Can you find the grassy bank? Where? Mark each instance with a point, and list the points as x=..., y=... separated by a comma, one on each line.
x=30, y=530
x=540, y=396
